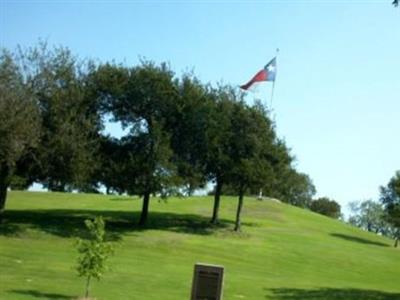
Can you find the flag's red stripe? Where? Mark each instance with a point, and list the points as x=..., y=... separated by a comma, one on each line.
x=260, y=76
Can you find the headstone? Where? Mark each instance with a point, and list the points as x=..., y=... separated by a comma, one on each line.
x=207, y=282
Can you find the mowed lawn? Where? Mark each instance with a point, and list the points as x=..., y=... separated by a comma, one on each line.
x=283, y=252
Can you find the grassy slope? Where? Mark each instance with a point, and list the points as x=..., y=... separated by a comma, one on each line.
x=283, y=252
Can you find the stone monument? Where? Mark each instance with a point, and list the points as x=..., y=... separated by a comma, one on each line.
x=207, y=282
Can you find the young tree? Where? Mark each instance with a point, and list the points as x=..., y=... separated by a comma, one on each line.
x=19, y=121
x=326, y=206
x=390, y=198
x=94, y=252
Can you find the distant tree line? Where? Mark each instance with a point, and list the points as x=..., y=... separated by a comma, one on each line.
x=381, y=217
x=181, y=133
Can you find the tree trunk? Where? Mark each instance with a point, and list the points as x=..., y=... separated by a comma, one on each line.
x=145, y=209
x=87, y=287
x=396, y=242
x=239, y=211
x=217, y=198
x=56, y=186
x=3, y=193
x=190, y=189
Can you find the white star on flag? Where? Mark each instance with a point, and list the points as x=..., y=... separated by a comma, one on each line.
x=271, y=68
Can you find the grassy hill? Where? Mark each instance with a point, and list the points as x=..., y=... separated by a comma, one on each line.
x=283, y=253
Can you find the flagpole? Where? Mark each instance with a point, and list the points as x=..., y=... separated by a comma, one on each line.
x=260, y=193
x=272, y=95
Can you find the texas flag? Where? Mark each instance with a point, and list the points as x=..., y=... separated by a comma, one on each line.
x=266, y=74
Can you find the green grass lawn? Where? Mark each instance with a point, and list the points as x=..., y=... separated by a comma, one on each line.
x=283, y=252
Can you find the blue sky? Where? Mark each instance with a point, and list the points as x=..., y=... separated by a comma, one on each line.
x=337, y=94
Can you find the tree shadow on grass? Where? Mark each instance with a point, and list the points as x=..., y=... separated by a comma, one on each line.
x=42, y=295
x=331, y=294
x=123, y=199
x=70, y=223
x=358, y=239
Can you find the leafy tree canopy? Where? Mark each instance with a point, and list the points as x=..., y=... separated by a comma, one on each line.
x=143, y=99
x=19, y=121
x=390, y=197
x=369, y=215
x=326, y=206
x=66, y=155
